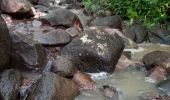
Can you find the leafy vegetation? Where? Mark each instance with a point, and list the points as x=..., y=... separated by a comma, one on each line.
x=150, y=12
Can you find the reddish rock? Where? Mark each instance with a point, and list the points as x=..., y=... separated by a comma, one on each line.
x=158, y=74
x=84, y=81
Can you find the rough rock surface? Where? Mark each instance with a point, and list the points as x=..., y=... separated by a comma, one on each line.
x=22, y=7
x=62, y=17
x=53, y=37
x=54, y=87
x=64, y=67
x=95, y=51
x=138, y=33
x=10, y=83
x=109, y=21
x=27, y=53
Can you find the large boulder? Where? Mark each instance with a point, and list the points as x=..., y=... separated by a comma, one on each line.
x=26, y=53
x=138, y=33
x=109, y=21
x=10, y=83
x=95, y=50
x=52, y=37
x=4, y=44
x=160, y=58
x=64, y=67
x=62, y=17
x=22, y=7
x=54, y=87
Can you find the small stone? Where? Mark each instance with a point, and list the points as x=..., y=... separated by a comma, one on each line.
x=36, y=23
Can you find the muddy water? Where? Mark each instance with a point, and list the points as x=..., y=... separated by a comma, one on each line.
x=130, y=83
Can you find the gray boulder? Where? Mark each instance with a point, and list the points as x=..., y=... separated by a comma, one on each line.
x=95, y=50
x=54, y=87
x=109, y=21
x=10, y=83
x=53, y=37
x=64, y=67
x=137, y=33
x=27, y=53
x=4, y=44
x=160, y=58
x=62, y=17
x=23, y=7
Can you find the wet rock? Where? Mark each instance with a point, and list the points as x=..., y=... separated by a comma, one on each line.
x=53, y=37
x=26, y=53
x=73, y=31
x=62, y=17
x=165, y=87
x=125, y=63
x=54, y=87
x=95, y=50
x=158, y=74
x=159, y=58
x=10, y=83
x=109, y=21
x=63, y=66
x=138, y=33
x=84, y=81
x=110, y=92
x=4, y=44
x=15, y=7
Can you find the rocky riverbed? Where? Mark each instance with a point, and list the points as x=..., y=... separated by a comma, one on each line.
x=58, y=50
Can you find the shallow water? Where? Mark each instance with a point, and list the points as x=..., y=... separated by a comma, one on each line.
x=131, y=83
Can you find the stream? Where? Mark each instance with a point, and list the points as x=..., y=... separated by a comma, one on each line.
x=132, y=83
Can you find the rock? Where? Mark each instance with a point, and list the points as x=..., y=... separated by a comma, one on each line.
x=53, y=52
x=73, y=32
x=46, y=3
x=125, y=63
x=15, y=7
x=138, y=33
x=33, y=1
x=110, y=92
x=36, y=23
x=129, y=43
x=158, y=74
x=95, y=50
x=4, y=44
x=52, y=37
x=165, y=87
x=84, y=81
x=53, y=87
x=64, y=67
x=156, y=58
x=109, y=21
x=62, y=17
x=159, y=34
x=26, y=53
x=8, y=20
x=10, y=83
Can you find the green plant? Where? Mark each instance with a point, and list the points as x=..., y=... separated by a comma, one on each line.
x=150, y=12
